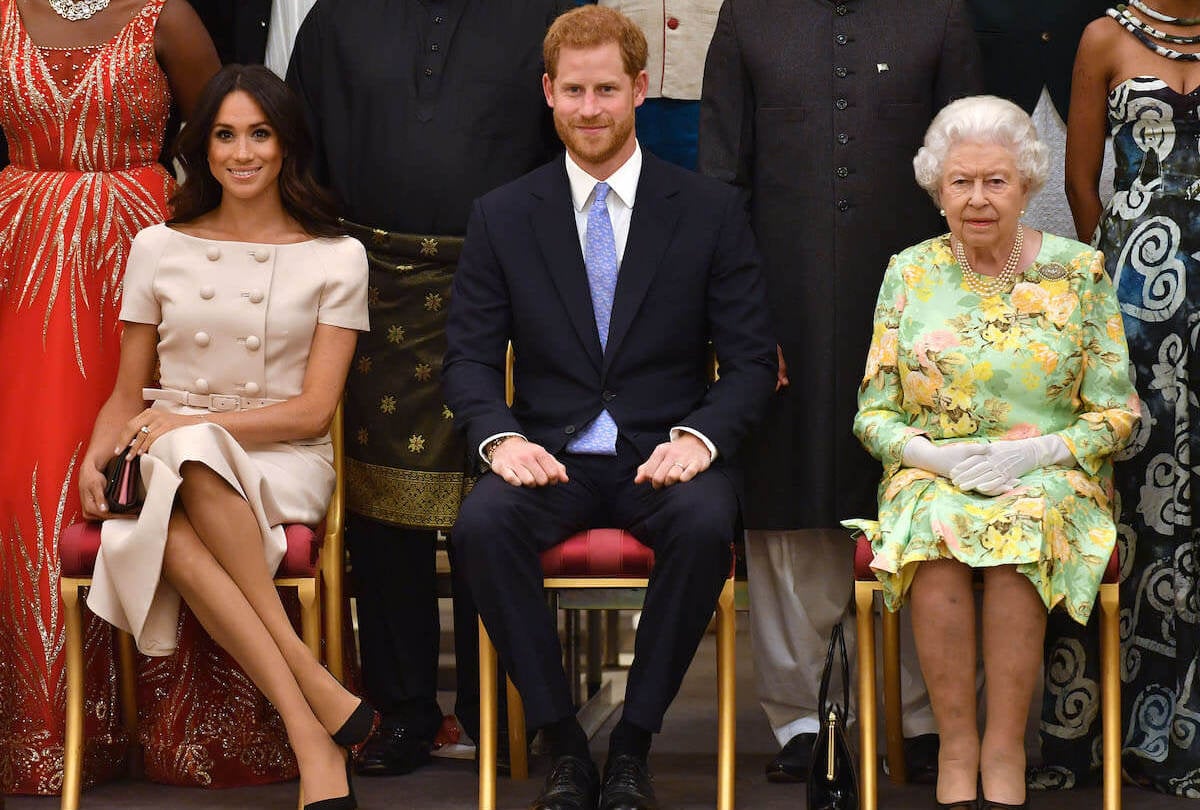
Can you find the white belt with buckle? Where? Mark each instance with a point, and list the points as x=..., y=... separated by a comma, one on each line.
x=217, y=403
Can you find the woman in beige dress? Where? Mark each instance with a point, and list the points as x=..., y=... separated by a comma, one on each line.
x=249, y=304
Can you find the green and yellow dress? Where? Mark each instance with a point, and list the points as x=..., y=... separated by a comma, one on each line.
x=946, y=363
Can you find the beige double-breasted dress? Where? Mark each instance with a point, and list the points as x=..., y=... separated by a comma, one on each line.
x=234, y=319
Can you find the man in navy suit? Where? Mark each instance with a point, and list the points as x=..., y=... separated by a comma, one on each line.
x=610, y=271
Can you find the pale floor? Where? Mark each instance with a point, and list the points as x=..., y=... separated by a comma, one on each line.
x=683, y=761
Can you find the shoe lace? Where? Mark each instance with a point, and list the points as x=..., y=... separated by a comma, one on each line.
x=567, y=775
x=628, y=774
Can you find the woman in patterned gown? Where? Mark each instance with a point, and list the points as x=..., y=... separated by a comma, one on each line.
x=83, y=103
x=995, y=392
x=1137, y=77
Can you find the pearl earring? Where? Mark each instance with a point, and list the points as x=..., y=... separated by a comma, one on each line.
x=942, y=211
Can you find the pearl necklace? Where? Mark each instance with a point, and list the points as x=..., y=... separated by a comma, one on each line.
x=984, y=285
x=77, y=9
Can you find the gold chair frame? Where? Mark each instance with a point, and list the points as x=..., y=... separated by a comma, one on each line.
x=489, y=670
x=864, y=598
x=327, y=584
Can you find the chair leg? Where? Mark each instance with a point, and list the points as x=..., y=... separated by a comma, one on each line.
x=518, y=758
x=726, y=696
x=332, y=609
x=864, y=602
x=595, y=651
x=310, y=615
x=893, y=709
x=73, y=743
x=1110, y=692
x=129, y=712
x=487, y=721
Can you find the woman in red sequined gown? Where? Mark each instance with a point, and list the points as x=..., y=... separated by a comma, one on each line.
x=83, y=105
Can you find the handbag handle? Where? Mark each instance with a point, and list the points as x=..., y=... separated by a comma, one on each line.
x=837, y=644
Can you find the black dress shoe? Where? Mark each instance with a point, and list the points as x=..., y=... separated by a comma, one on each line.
x=792, y=762
x=393, y=751
x=627, y=785
x=921, y=756
x=573, y=784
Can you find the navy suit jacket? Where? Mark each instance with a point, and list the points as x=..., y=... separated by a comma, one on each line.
x=689, y=275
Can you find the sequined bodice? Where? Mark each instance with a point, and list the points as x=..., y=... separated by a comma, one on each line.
x=1155, y=129
x=97, y=109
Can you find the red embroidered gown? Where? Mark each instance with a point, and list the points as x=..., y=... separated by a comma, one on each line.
x=84, y=128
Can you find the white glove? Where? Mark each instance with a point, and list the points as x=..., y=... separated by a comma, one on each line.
x=938, y=458
x=999, y=469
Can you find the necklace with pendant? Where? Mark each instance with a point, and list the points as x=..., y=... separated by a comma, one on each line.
x=984, y=285
x=77, y=9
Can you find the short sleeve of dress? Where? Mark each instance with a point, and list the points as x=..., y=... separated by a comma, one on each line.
x=139, y=304
x=344, y=299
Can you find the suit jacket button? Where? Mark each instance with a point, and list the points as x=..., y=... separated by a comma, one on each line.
x=569, y=429
x=608, y=396
x=843, y=205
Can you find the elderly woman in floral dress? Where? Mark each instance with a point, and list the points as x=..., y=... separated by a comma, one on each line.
x=996, y=391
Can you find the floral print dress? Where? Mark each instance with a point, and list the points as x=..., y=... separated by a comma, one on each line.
x=1049, y=357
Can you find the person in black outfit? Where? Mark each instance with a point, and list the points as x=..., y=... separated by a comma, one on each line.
x=238, y=28
x=418, y=107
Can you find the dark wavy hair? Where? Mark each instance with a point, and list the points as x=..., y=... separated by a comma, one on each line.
x=303, y=197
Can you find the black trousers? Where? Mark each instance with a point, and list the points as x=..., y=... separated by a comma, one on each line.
x=501, y=530
x=395, y=582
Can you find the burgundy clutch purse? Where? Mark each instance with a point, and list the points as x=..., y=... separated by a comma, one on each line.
x=121, y=489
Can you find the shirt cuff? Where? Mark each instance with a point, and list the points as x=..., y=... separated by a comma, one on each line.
x=712, y=448
x=483, y=444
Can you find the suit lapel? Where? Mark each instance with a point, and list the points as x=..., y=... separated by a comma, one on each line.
x=655, y=213
x=558, y=237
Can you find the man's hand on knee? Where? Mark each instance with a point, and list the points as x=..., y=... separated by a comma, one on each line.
x=525, y=464
x=681, y=459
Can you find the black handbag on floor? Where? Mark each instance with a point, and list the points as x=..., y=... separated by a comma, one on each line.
x=832, y=778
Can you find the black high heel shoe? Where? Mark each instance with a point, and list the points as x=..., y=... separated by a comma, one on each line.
x=357, y=728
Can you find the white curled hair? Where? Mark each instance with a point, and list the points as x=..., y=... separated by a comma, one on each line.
x=981, y=119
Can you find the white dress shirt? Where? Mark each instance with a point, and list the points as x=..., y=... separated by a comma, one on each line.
x=620, y=201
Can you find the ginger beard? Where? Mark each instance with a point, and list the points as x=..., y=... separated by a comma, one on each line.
x=593, y=147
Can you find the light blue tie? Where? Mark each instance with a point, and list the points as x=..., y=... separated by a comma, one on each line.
x=600, y=258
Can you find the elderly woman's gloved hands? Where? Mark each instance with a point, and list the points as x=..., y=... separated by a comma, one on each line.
x=939, y=458
x=999, y=468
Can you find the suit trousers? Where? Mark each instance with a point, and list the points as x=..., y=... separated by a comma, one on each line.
x=399, y=629
x=801, y=583
x=502, y=529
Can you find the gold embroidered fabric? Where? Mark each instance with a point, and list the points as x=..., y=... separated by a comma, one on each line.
x=405, y=460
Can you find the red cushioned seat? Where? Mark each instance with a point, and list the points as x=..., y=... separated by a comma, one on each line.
x=863, y=556
x=80, y=544
x=599, y=553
